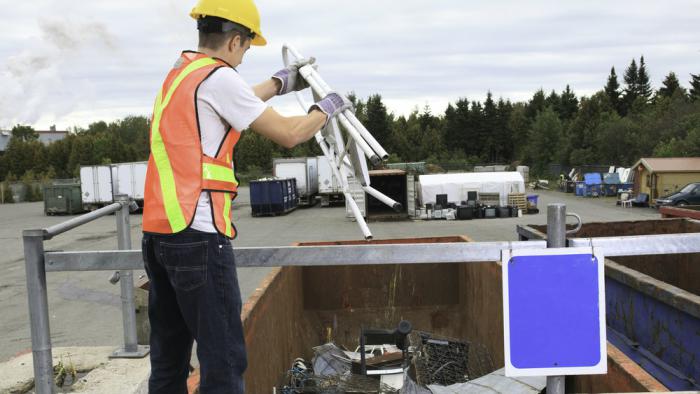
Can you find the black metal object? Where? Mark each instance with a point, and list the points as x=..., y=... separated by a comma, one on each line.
x=441, y=199
x=372, y=336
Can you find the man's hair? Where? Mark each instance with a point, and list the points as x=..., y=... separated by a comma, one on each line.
x=215, y=32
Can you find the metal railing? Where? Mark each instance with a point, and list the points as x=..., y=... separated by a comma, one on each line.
x=34, y=257
x=38, y=262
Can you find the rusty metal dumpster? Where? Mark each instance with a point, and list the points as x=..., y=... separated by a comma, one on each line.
x=296, y=308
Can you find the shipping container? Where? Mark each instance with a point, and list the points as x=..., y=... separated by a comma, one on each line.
x=96, y=186
x=272, y=197
x=329, y=188
x=130, y=179
x=304, y=170
x=62, y=199
x=652, y=301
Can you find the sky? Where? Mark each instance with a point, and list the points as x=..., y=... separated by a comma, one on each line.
x=69, y=63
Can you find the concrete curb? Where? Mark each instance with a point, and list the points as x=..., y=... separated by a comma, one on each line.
x=105, y=375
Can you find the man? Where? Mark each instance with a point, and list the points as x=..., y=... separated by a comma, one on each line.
x=197, y=119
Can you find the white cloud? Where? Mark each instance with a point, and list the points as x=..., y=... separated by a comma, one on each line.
x=74, y=62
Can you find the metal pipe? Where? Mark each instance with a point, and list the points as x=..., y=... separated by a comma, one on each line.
x=381, y=197
x=126, y=276
x=556, y=225
x=38, y=310
x=358, y=216
x=556, y=238
x=80, y=220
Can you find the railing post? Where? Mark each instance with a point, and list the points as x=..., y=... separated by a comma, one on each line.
x=38, y=310
x=556, y=238
x=131, y=348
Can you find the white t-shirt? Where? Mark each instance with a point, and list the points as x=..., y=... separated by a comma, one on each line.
x=223, y=99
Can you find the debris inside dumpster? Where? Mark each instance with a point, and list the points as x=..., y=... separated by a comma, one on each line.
x=400, y=360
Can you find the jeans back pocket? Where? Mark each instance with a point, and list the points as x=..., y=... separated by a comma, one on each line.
x=186, y=264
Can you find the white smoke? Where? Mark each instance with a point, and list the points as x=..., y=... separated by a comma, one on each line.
x=34, y=80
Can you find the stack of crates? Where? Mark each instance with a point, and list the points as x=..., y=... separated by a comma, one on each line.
x=272, y=197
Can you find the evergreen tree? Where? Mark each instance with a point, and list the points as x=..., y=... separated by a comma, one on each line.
x=670, y=85
x=553, y=101
x=568, y=104
x=546, y=137
x=536, y=104
x=694, y=87
x=643, y=83
x=518, y=126
x=612, y=90
x=503, y=148
x=631, y=91
x=490, y=126
x=378, y=120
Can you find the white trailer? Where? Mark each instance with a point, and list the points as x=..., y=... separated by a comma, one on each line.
x=329, y=188
x=96, y=186
x=304, y=170
x=130, y=179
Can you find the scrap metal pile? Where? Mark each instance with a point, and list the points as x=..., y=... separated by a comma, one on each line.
x=388, y=361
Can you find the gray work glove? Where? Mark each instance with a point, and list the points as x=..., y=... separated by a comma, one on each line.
x=289, y=76
x=332, y=105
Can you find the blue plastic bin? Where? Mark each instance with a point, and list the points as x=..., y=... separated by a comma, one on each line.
x=580, y=188
x=532, y=200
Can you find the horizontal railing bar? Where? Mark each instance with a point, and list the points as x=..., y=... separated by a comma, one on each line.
x=371, y=254
x=60, y=228
x=639, y=245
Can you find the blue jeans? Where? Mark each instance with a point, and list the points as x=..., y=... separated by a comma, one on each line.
x=194, y=295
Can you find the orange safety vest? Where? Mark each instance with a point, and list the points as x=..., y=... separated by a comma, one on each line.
x=178, y=170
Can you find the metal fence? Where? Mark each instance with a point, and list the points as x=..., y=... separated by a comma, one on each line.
x=38, y=262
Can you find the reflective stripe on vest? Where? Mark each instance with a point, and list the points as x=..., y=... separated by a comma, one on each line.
x=160, y=154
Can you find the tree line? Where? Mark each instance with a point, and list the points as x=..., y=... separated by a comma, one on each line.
x=617, y=125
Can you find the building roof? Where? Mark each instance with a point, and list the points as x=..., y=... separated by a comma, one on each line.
x=670, y=164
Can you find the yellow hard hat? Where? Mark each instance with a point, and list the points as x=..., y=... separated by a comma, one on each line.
x=243, y=12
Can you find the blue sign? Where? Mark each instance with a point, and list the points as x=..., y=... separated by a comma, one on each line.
x=554, y=312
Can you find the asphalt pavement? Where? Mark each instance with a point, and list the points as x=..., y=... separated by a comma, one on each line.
x=85, y=309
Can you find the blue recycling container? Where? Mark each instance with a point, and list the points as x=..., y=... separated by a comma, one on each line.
x=273, y=196
x=580, y=188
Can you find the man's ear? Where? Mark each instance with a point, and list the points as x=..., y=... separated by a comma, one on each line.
x=234, y=43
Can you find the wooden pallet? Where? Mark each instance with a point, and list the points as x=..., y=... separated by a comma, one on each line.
x=493, y=199
x=518, y=200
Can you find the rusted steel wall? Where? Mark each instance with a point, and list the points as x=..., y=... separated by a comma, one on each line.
x=275, y=331
x=481, y=296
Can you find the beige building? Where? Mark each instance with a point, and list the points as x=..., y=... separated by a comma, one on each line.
x=659, y=176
